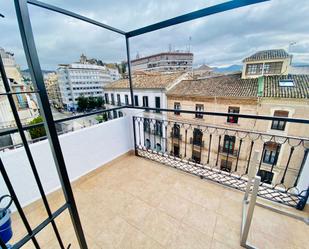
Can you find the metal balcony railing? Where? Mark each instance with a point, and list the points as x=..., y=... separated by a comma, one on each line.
x=229, y=167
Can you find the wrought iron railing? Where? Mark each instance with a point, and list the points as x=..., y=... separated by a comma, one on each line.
x=211, y=159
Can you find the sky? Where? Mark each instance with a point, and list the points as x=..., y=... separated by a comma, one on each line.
x=218, y=40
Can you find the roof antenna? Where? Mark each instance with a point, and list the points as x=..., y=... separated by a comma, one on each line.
x=170, y=47
x=189, y=46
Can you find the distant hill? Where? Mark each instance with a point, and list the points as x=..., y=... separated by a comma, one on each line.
x=232, y=68
x=27, y=71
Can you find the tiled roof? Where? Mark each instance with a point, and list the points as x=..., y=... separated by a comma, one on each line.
x=221, y=86
x=151, y=80
x=299, y=90
x=268, y=55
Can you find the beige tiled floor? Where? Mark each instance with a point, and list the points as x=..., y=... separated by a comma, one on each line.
x=136, y=203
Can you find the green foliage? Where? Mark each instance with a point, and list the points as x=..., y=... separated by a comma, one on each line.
x=85, y=103
x=37, y=131
x=101, y=118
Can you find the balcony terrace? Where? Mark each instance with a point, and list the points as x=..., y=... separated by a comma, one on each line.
x=132, y=202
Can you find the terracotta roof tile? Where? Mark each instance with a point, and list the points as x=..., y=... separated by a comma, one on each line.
x=222, y=86
x=268, y=55
x=151, y=80
x=299, y=90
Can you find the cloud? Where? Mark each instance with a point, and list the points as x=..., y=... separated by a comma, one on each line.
x=221, y=39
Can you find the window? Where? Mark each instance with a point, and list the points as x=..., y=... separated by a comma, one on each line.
x=271, y=153
x=146, y=125
x=176, y=131
x=197, y=137
x=229, y=144
x=177, y=107
x=114, y=114
x=232, y=119
x=158, y=104
x=126, y=99
x=112, y=99
x=147, y=144
x=145, y=102
x=158, y=147
x=266, y=176
x=253, y=69
x=199, y=108
x=196, y=156
x=273, y=67
x=136, y=100
x=226, y=165
x=118, y=100
x=176, y=151
x=158, y=128
x=120, y=114
x=279, y=125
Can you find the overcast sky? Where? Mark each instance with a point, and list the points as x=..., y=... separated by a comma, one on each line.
x=217, y=40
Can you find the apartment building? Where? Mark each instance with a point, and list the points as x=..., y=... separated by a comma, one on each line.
x=78, y=79
x=26, y=106
x=264, y=96
x=149, y=91
x=267, y=62
x=164, y=62
x=53, y=90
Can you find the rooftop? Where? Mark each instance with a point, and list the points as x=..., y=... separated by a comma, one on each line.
x=299, y=90
x=234, y=86
x=270, y=54
x=133, y=202
x=151, y=80
x=221, y=86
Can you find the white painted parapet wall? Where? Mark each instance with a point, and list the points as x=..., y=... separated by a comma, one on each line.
x=84, y=150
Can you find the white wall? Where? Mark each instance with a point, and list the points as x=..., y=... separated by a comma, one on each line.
x=84, y=150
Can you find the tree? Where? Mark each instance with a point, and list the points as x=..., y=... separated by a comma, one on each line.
x=100, y=102
x=82, y=103
x=37, y=132
x=92, y=103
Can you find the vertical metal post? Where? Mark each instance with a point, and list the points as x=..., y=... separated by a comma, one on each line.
x=26, y=33
x=131, y=88
x=129, y=71
x=28, y=152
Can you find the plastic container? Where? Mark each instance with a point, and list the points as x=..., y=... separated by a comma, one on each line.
x=6, y=232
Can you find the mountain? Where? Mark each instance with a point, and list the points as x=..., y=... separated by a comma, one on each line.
x=231, y=68
x=27, y=71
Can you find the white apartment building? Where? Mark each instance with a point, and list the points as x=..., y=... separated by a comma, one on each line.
x=149, y=91
x=164, y=62
x=78, y=79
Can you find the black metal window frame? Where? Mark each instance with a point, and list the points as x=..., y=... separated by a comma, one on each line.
x=199, y=108
x=157, y=104
x=126, y=99
x=177, y=106
x=118, y=99
x=277, y=124
x=233, y=119
x=24, y=22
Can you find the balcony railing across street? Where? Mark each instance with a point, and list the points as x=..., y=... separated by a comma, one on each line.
x=226, y=161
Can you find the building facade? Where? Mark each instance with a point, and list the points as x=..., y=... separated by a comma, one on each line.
x=78, y=79
x=267, y=62
x=26, y=106
x=149, y=91
x=53, y=90
x=164, y=62
x=232, y=94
